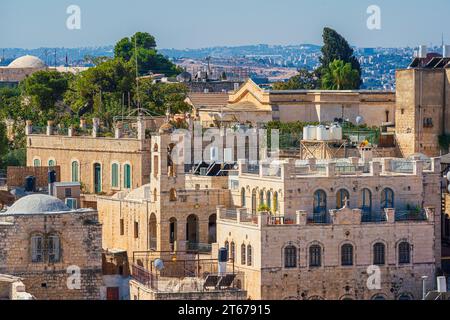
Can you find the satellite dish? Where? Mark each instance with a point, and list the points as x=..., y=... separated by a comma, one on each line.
x=359, y=120
x=159, y=264
x=448, y=176
x=449, y=188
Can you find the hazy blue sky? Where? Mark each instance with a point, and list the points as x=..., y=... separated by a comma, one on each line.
x=201, y=23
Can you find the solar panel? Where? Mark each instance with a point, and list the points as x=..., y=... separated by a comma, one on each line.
x=226, y=281
x=211, y=281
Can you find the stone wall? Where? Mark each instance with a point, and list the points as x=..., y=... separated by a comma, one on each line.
x=80, y=245
x=16, y=175
x=88, y=151
x=268, y=278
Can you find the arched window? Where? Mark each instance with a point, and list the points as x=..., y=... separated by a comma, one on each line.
x=404, y=253
x=227, y=246
x=53, y=245
x=243, y=197
x=341, y=196
x=378, y=297
x=36, y=163
x=173, y=195
x=405, y=296
x=249, y=255
x=315, y=256
x=75, y=171
x=115, y=175
x=379, y=254
x=51, y=163
x=366, y=201
x=387, y=199
x=232, y=251
x=261, y=198
x=347, y=255
x=290, y=257
x=269, y=199
x=243, y=254
x=37, y=248
x=275, y=202
x=320, y=201
x=254, y=201
x=127, y=176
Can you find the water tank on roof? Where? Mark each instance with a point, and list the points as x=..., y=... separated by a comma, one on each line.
x=446, y=51
x=323, y=133
x=309, y=133
x=423, y=51
x=30, y=184
x=336, y=132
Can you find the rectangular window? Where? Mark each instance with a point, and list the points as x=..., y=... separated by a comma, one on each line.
x=122, y=227
x=37, y=249
x=53, y=249
x=67, y=192
x=136, y=230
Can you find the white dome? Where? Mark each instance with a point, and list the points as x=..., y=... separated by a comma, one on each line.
x=28, y=62
x=37, y=203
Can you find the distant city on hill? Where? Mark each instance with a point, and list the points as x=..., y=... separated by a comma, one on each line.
x=272, y=62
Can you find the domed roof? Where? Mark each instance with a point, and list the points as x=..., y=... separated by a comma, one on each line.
x=166, y=128
x=28, y=62
x=37, y=203
x=184, y=77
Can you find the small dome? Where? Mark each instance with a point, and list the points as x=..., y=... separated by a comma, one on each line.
x=184, y=77
x=166, y=128
x=28, y=62
x=37, y=203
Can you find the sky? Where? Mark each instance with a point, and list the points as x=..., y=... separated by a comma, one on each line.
x=205, y=23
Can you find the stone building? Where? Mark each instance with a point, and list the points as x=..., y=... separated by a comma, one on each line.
x=174, y=212
x=104, y=162
x=317, y=208
x=20, y=69
x=252, y=104
x=56, y=251
x=423, y=107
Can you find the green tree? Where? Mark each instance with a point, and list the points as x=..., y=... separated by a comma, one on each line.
x=148, y=58
x=304, y=80
x=109, y=79
x=158, y=97
x=340, y=76
x=45, y=88
x=335, y=47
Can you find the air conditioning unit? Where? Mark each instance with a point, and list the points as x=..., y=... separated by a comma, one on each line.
x=72, y=203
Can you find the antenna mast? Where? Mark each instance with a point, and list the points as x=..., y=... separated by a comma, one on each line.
x=137, y=76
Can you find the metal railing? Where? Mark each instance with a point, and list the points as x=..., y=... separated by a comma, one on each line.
x=198, y=247
x=410, y=215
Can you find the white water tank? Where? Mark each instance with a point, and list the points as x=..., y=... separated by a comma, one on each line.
x=441, y=284
x=323, y=133
x=336, y=132
x=446, y=51
x=423, y=51
x=309, y=133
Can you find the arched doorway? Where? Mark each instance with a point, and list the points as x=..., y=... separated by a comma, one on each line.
x=212, y=238
x=152, y=232
x=172, y=233
x=192, y=230
x=254, y=201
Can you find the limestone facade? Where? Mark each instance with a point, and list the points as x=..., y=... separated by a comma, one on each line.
x=47, y=272
x=271, y=274
x=422, y=110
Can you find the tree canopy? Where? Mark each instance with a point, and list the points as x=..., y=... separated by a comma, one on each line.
x=335, y=47
x=340, y=76
x=304, y=80
x=45, y=88
x=148, y=58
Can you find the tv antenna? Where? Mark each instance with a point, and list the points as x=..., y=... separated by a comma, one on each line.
x=137, y=76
